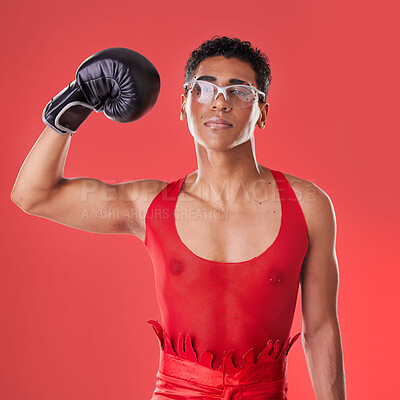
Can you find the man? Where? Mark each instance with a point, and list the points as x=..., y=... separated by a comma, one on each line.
x=230, y=242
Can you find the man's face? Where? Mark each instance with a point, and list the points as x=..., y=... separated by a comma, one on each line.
x=241, y=122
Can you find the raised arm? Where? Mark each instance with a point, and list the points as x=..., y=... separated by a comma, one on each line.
x=83, y=203
x=319, y=288
x=124, y=85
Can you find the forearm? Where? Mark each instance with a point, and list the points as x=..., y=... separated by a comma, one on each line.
x=42, y=169
x=324, y=356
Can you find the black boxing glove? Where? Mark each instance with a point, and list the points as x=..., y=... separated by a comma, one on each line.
x=119, y=82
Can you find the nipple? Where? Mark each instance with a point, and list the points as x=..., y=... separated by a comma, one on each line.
x=274, y=278
x=176, y=267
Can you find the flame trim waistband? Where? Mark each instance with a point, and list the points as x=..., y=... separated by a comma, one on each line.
x=272, y=351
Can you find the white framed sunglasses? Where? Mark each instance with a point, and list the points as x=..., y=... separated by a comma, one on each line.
x=238, y=96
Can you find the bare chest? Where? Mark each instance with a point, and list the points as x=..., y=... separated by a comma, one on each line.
x=234, y=233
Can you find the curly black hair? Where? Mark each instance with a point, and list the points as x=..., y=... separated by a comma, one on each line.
x=232, y=47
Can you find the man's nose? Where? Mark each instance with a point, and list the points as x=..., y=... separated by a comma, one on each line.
x=220, y=103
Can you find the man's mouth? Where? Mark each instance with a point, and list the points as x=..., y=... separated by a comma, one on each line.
x=218, y=123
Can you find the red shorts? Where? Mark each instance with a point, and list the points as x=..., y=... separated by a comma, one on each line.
x=182, y=377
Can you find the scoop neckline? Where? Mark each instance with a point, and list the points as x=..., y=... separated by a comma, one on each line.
x=182, y=180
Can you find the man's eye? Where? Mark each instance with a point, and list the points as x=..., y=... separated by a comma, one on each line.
x=240, y=91
x=237, y=92
x=207, y=88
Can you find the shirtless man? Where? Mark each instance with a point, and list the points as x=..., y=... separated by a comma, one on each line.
x=230, y=242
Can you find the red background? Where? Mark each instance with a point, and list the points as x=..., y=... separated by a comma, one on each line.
x=73, y=304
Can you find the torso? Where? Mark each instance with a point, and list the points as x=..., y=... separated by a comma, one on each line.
x=225, y=284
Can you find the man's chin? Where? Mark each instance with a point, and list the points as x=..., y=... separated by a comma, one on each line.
x=216, y=143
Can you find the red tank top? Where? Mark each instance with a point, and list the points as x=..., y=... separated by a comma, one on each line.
x=218, y=309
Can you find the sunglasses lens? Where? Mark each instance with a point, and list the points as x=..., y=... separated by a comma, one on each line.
x=241, y=96
x=203, y=92
x=238, y=96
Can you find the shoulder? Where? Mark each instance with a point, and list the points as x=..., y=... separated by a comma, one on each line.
x=315, y=203
x=144, y=190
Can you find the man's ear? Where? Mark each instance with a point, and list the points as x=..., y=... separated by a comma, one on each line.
x=263, y=115
x=183, y=109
